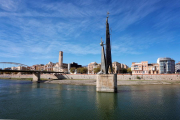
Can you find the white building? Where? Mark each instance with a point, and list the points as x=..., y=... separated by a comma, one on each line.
x=166, y=65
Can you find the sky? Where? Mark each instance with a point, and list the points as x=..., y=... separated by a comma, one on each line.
x=34, y=31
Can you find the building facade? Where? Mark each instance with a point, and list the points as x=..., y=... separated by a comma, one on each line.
x=177, y=68
x=91, y=67
x=166, y=65
x=140, y=68
x=117, y=67
x=73, y=65
x=153, y=68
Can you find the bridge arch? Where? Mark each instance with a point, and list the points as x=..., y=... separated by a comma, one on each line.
x=23, y=65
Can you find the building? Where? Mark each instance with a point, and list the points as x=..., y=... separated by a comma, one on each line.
x=153, y=68
x=7, y=68
x=177, y=67
x=117, y=67
x=125, y=66
x=73, y=65
x=49, y=66
x=91, y=67
x=38, y=67
x=20, y=68
x=140, y=68
x=60, y=66
x=166, y=65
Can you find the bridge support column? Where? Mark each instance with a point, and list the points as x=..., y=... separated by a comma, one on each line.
x=36, y=77
x=106, y=83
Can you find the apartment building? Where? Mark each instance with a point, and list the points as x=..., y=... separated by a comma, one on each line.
x=153, y=68
x=166, y=65
x=177, y=67
x=140, y=68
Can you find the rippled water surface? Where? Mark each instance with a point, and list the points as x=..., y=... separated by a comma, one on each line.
x=27, y=100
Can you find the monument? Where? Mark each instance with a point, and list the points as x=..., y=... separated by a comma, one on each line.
x=106, y=82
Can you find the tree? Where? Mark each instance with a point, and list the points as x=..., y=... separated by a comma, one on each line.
x=82, y=70
x=112, y=69
x=79, y=70
x=129, y=70
x=96, y=70
x=72, y=69
x=123, y=70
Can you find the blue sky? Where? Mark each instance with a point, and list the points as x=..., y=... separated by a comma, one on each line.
x=34, y=31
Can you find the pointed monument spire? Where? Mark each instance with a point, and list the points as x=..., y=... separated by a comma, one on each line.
x=108, y=47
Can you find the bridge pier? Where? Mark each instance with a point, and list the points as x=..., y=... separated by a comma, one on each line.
x=106, y=83
x=36, y=77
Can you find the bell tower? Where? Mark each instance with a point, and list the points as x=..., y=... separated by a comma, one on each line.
x=60, y=58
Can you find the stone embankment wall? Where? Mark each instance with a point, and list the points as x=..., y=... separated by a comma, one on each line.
x=15, y=76
x=149, y=77
x=124, y=77
x=93, y=76
x=77, y=76
x=45, y=76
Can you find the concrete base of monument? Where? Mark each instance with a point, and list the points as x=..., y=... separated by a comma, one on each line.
x=106, y=83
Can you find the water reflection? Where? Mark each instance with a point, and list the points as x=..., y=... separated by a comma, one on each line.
x=106, y=104
x=27, y=100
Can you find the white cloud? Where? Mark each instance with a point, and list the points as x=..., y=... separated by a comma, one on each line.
x=10, y=5
x=44, y=28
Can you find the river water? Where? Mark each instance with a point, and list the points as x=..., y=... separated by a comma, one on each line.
x=27, y=100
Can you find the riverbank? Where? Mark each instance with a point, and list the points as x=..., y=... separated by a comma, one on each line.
x=119, y=82
x=42, y=79
x=93, y=82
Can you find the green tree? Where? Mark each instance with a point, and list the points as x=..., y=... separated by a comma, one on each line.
x=96, y=70
x=112, y=69
x=72, y=69
x=129, y=70
x=123, y=70
x=137, y=77
x=82, y=70
x=79, y=70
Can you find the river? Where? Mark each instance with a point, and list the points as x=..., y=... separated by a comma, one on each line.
x=21, y=99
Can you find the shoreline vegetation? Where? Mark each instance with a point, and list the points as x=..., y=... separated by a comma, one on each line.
x=93, y=82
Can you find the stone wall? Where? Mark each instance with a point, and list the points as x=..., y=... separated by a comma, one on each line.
x=93, y=76
x=124, y=77
x=149, y=77
x=77, y=76
x=15, y=76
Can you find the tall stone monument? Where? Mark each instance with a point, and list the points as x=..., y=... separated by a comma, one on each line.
x=108, y=47
x=60, y=59
x=106, y=82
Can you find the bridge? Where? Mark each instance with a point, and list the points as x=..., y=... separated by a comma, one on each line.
x=36, y=73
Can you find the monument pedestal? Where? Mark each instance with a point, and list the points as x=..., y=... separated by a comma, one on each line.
x=106, y=83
